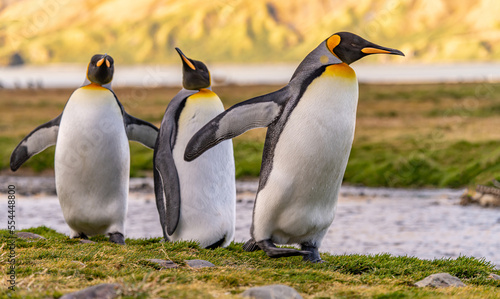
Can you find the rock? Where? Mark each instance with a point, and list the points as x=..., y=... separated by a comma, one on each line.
x=440, y=280
x=79, y=263
x=16, y=59
x=494, y=276
x=275, y=291
x=466, y=199
x=199, y=264
x=489, y=200
x=26, y=235
x=85, y=241
x=105, y=290
x=163, y=263
x=484, y=196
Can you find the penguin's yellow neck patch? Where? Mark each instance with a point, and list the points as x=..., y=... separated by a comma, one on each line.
x=203, y=94
x=340, y=70
x=204, y=99
x=93, y=86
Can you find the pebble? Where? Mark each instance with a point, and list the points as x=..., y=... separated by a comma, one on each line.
x=85, y=241
x=79, y=263
x=494, y=276
x=27, y=235
x=440, y=280
x=199, y=263
x=100, y=291
x=164, y=264
x=276, y=291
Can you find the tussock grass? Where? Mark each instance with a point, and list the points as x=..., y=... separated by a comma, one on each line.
x=58, y=265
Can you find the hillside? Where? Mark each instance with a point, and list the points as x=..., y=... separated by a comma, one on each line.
x=67, y=31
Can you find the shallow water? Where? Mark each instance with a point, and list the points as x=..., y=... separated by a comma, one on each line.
x=72, y=76
x=423, y=223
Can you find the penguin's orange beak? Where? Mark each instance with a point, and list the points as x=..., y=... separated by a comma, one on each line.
x=381, y=50
x=102, y=60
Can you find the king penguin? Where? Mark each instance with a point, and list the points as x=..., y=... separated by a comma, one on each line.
x=310, y=125
x=92, y=157
x=196, y=201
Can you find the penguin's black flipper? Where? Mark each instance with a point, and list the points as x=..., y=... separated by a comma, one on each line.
x=254, y=113
x=39, y=139
x=140, y=130
x=136, y=129
x=275, y=252
x=167, y=188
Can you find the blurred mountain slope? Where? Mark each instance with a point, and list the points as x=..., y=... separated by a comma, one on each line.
x=146, y=31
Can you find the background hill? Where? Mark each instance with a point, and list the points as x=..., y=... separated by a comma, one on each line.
x=68, y=31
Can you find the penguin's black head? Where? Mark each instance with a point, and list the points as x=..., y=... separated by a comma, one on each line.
x=349, y=47
x=195, y=74
x=101, y=68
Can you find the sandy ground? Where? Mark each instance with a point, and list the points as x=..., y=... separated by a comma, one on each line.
x=423, y=223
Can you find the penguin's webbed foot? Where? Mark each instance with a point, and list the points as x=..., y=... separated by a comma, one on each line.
x=313, y=256
x=217, y=244
x=117, y=238
x=275, y=252
x=251, y=245
x=81, y=236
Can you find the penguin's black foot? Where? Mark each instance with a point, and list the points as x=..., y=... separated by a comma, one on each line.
x=313, y=256
x=117, y=238
x=217, y=244
x=81, y=236
x=275, y=252
x=251, y=245
x=165, y=237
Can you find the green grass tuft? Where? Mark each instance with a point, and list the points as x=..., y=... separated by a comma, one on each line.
x=58, y=265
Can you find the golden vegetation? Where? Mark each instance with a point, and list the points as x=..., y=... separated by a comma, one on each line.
x=243, y=30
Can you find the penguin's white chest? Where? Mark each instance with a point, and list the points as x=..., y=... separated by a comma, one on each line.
x=298, y=201
x=92, y=162
x=207, y=184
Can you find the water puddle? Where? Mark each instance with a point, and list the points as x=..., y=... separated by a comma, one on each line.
x=423, y=223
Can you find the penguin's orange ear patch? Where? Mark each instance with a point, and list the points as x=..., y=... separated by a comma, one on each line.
x=332, y=42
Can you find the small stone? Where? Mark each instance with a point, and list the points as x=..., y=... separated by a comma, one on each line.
x=489, y=200
x=105, y=291
x=85, y=241
x=199, y=263
x=79, y=263
x=440, y=280
x=276, y=291
x=494, y=276
x=26, y=235
x=163, y=263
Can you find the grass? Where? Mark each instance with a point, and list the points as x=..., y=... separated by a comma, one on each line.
x=433, y=135
x=42, y=263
